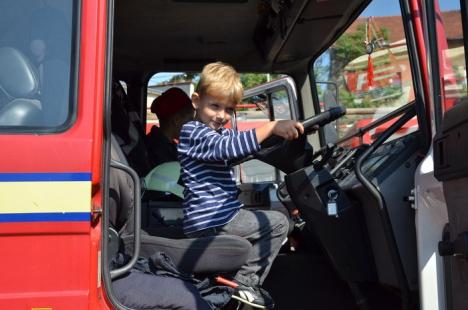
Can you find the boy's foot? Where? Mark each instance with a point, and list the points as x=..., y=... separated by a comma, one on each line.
x=255, y=297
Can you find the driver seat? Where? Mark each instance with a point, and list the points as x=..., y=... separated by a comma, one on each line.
x=205, y=255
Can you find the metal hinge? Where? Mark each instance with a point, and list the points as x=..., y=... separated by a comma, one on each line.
x=411, y=199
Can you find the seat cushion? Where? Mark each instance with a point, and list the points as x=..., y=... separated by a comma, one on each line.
x=215, y=254
x=138, y=290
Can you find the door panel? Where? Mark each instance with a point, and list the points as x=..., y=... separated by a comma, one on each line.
x=449, y=19
x=451, y=167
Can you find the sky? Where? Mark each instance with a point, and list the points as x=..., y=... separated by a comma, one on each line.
x=391, y=7
x=161, y=77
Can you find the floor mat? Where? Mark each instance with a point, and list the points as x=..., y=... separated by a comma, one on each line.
x=307, y=282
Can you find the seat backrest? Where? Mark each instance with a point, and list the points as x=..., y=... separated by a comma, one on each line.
x=129, y=136
x=120, y=193
x=19, y=84
x=201, y=255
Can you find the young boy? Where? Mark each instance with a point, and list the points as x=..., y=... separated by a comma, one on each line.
x=210, y=204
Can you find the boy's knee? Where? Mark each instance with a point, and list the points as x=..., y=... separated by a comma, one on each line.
x=280, y=223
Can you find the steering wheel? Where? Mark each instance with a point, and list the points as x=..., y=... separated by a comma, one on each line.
x=311, y=124
x=286, y=155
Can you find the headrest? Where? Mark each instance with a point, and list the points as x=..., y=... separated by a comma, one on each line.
x=170, y=102
x=18, y=76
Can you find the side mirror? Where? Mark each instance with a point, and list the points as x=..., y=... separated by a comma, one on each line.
x=328, y=97
x=328, y=94
x=164, y=178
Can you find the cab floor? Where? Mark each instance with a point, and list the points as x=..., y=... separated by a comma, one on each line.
x=301, y=281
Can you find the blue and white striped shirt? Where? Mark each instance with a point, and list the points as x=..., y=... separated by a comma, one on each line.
x=210, y=195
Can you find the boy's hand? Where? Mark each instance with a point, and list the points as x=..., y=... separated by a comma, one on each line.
x=288, y=129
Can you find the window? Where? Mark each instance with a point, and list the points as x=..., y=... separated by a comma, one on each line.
x=253, y=112
x=281, y=106
x=367, y=70
x=163, y=81
x=36, y=48
x=266, y=103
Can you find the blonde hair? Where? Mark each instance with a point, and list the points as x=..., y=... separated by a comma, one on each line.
x=220, y=79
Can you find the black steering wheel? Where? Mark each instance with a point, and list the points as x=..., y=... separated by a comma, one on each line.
x=311, y=125
x=286, y=155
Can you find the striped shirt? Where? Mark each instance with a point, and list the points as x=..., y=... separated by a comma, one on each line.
x=210, y=195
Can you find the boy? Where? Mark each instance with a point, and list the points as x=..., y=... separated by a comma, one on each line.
x=210, y=204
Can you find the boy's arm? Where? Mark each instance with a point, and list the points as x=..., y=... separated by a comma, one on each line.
x=204, y=144
x=287, y=129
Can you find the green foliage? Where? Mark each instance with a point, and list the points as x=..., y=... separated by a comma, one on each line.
x=248, y=79
x=184, y=77
x=253, y=79
x=348, y=47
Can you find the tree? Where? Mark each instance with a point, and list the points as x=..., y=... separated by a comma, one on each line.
x=248, y=79
x=253, y=79
x=184, y=77
x=348, y=47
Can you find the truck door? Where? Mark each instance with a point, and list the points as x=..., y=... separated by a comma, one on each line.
x=450, y=144
x=51, y=98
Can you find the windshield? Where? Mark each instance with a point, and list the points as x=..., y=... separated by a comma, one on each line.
x=367, y=70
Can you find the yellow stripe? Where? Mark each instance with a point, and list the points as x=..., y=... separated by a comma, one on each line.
x=37, y=197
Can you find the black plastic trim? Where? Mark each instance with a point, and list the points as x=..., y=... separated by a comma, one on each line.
x=432, y=52
x=383, y=211
x=421, y=112
x=276, y=53
x=464, y=18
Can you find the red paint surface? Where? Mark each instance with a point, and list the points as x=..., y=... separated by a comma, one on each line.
x=45, y=268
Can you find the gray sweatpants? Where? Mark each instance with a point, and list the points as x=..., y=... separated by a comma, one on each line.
x=266, y=230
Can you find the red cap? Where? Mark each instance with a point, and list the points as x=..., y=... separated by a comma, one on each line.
x=170, y=102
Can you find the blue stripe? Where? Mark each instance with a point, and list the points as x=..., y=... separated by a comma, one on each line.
x=48, y=177
x=45, y=217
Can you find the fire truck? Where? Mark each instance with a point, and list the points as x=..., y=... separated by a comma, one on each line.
x=376, y=223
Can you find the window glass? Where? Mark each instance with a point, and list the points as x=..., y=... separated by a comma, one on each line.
x=161, y=82
x=367, y=70
x=253, y=112
x=452, y=54
x=281, y=106
x=36, y=44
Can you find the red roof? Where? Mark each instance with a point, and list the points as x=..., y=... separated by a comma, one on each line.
x=394, y=25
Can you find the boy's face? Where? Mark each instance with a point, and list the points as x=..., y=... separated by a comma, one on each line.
x=213, y=110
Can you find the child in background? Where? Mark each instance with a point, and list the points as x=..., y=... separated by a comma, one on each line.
x=173, y=109
x=210, y=197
